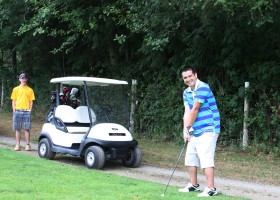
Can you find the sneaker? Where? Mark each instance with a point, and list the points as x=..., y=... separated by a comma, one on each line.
x=28, y=147
x=207, y=192
x=17, y=147
x=190, y=188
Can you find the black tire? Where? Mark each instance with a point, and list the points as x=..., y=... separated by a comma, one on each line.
x=44, y=149
x=134, y=158
x=95, y=157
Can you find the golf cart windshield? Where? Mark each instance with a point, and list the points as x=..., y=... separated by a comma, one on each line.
x=106, y=97
x=109, y=104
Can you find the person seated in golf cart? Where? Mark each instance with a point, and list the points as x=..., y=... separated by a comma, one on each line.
x=52, y=106
x=53, y=99
x=65, y=95
x=74, y=102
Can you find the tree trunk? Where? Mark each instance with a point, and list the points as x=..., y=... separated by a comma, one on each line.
x=14, y=62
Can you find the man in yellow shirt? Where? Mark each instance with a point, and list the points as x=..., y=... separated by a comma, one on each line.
x=22, y=103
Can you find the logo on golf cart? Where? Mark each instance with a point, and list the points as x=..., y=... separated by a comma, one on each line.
x=116, y=134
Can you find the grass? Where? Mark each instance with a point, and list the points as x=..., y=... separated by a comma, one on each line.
x=26, y=177
x=229, y=164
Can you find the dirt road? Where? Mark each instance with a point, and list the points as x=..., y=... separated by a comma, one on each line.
x=229, y=187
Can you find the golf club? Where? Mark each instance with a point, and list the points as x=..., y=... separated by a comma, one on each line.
x=185, y=144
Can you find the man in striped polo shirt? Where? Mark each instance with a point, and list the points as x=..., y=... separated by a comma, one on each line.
x=201, y=130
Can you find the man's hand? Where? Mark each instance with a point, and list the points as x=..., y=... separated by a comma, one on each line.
x=188, y=134
x=190, y=130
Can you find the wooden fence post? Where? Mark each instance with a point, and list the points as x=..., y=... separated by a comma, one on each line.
x=133, y=104
x=246, y=114
x=2, y=95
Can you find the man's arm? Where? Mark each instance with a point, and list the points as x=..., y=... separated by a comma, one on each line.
x=193, y=114
x=14, y=105
x=185, y=121
x=189, y=118
x=31, y=105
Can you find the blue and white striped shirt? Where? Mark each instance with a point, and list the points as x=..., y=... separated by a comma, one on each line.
x=208, y=117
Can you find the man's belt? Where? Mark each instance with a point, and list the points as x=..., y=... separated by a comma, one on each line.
x=23, y=110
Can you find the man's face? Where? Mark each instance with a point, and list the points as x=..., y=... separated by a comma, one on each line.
x=189, y=78
x=23, y=81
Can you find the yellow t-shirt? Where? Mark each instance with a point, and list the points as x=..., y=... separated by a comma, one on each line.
x=22, y=96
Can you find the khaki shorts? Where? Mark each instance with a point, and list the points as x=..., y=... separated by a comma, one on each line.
x=201, y=150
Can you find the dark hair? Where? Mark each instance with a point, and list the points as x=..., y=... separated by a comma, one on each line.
x=187, y=68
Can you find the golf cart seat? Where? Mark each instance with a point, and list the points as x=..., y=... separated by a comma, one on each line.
x=70, y=120
x=65, y=113
x=82, y=115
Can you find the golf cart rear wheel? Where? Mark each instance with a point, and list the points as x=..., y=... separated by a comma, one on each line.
x=94, y=157
x=44, y=149
x=134, y=158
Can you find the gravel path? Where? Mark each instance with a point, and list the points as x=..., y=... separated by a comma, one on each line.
x=229, y=187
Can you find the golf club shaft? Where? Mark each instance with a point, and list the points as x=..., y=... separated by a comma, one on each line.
x=175, y=166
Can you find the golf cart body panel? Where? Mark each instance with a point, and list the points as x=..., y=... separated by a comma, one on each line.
x=110, y=132
x=113, y=150
x=62, y=138
x=94, y=128
x=112, y=144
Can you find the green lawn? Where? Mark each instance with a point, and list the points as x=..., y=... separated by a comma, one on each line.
x=27, y=177
x=237, y=164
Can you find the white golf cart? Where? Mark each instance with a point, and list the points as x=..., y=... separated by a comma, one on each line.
x=95, y=129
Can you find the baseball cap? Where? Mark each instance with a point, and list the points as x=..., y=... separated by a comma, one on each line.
x=23, y=75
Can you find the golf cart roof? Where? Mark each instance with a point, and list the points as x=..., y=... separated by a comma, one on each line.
x=90, y=81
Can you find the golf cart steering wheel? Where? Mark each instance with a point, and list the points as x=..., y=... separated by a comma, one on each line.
x=104, y=110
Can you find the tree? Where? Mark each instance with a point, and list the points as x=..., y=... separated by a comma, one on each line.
x=229, y=42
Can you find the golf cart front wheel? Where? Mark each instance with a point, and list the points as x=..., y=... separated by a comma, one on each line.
x=134, y=158
x=94, y=157
x=44, y=149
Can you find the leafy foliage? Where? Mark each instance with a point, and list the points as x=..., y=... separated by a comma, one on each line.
x=229, y=42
